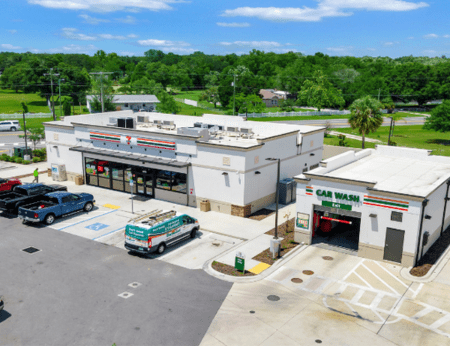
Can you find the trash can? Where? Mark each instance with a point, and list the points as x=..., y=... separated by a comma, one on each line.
x=205, y=205
x=285, y=191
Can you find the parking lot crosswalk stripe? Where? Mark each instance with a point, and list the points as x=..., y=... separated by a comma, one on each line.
x=111, y=206
x=259, y=268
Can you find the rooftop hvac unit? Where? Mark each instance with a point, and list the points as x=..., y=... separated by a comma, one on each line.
x=157, y=122
x=113, y=120
x=232, y=129
x=168, y=122
x=125, y=123
x=246, y=131
x=197, y=124
x=142, y=119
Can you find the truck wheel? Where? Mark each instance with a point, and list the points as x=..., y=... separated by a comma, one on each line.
x=13, y=129
x=161, y=248
x=49, y=219
x=88, y=206
x=194, y=233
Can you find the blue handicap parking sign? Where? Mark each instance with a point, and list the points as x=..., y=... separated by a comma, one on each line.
x=97, y=226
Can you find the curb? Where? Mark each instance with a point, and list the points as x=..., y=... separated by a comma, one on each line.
x=432, y=273
x=207, y=267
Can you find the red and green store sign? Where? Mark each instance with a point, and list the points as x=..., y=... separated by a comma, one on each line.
x=129, y=140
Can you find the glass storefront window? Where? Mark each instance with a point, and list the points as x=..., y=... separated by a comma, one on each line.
x=179, y=183
x=91, y=166
x=164, y=180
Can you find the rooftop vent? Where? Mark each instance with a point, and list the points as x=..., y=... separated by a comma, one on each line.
x=142, y=119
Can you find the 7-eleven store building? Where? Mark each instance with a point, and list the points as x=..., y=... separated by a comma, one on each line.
x=387, y=204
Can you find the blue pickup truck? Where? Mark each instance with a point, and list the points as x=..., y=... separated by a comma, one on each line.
x=55, y=204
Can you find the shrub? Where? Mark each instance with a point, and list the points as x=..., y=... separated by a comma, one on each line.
x=26, y=162
x=36, y=159
x=7, y=159
x=18, y=160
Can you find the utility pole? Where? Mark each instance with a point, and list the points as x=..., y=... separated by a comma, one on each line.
x=59, y=85
x=379, y=91
x=51, y=74
x=234, y=91
x=101, y=87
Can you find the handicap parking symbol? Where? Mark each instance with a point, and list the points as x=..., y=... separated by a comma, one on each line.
x=97, y=226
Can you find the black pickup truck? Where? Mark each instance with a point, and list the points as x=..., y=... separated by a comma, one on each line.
x=26, y=194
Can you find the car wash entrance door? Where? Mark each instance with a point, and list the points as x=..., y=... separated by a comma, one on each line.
x=336, y=227
x=393, y=247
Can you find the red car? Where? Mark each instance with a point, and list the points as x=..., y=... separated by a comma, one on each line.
x=8, y=184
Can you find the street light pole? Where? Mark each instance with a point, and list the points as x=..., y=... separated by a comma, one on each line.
x=101, y=86
x=390, y=130
x=234, y=91
x=276, y=195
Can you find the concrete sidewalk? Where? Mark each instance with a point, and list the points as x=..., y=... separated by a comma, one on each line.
x=13, y=170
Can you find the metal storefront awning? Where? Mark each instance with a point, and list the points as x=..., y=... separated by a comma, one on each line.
x=131, y=157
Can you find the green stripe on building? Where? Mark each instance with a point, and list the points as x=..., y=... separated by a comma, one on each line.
x=309, y=190
x=386, y=203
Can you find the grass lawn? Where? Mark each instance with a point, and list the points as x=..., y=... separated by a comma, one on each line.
x=353, y=143
x=33, y=122
x=312, y=117
x=192, y=110
x=412, y=136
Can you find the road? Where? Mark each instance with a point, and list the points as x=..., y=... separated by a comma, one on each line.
x=10, y=139
x=340, y=123
x=69, y=293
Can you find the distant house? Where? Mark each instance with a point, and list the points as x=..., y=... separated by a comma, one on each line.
x=271, y=97
x=137, y=103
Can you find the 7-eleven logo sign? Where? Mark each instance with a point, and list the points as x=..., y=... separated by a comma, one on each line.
x=128, y=140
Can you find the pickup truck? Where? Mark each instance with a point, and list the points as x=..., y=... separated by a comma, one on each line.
x=26, y=194
x=8, y=184
x=54, y=205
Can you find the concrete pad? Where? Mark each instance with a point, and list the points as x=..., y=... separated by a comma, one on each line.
x=435, y=294
x=354, y=279
x=193, y=253
x=278, y=338
x=332, y=328
x=431, y=318
x=210, y=340
x=234, y=326
x=367, y=298
x=349, y=293
x=387, y=303
x=259, y=268
x=250, y=249
x=383, y=274
x=254, y=297
x=410, y=308
x=405, y=333
x=372, y=279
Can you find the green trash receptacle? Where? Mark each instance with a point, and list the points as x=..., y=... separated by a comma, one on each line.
x=20, y=151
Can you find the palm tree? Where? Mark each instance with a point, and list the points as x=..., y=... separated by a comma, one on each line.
x=366, y=116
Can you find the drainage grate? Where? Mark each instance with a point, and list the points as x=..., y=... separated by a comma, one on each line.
x=296, y=280
x=273, y=298
x=31, y=250
x=318, y=341
x=308, y=272
x=134, y=284
x=126, y=295
x=252, y=311
x=328, y=258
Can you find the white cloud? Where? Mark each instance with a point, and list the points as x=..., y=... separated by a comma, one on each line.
x=111, y=37
x=390, y=44
x=72, y=34
x=71, y=48
x=340, y=49
x=234, y=25
x=180, y=50
x=106, y=5
x=429, y=52
x=162, y=43
x=91, y=20
x=127, y=20
x=132, y=36
x=12, y=32
x=411, y=38
x=371, y=49
x=252, y=43
x=9, y=46
x=446, y=36
x=430, y=36
x=325, y=8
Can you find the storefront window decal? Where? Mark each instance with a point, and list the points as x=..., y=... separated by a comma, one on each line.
x=303, y=220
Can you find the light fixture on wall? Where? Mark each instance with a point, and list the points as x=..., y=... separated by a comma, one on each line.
x=257, y=172
x=55, y=146
x=225, y=173
x=312, y=154
x=427, y=217
x=372, y=215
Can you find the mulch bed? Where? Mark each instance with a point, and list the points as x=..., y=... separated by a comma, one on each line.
x=432, y=256
x=229, y=270
x=285, y=231
x=260, y=214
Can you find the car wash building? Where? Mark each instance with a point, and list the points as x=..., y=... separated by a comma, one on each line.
x=387, y=204
x=217, y=160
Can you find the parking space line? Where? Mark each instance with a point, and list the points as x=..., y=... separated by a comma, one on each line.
x=380, y=279
x=387, y=271
x=116, y=230
x=94, y=217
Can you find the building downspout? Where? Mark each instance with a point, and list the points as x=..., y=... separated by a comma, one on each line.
x=445, y=207
x=424, y=204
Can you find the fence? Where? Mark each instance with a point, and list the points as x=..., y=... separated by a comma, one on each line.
x=293, y=114
x=28, y=115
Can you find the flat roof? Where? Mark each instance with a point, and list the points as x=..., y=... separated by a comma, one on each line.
x=394, y=169
x=131, y=98
x=259, y=131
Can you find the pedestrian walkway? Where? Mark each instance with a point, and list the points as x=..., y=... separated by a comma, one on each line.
x=358, y=138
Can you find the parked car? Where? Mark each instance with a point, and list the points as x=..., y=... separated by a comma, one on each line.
x=8, y=184
x=12, y=125
x=26, y=194
x=54, y=205
x=158, y=231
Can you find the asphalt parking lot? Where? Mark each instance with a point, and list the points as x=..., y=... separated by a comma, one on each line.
x=68, y=292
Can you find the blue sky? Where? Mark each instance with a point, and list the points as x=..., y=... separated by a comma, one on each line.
x=130, y=27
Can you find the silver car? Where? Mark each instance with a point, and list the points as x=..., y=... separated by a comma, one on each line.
x=9, y=125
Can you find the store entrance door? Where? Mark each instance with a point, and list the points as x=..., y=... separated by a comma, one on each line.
x=144, y=184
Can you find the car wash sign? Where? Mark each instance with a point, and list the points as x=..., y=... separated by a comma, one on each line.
x=338, y=199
